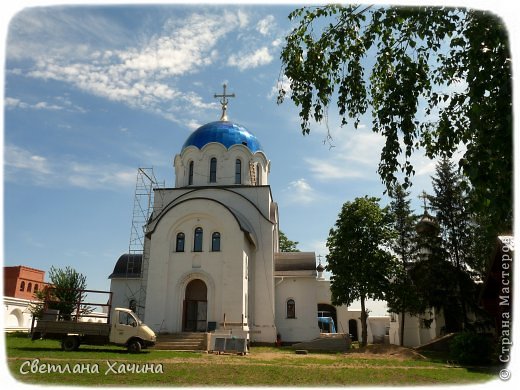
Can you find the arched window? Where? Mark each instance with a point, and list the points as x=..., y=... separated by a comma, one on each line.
x=291, y=309
x=197, y=240
x=22, y=286
x=215, y=242
x=213, y=170
x=35, y=288
x=238, y=171
x=179, y=244
x=190, y=174
x=29, y=287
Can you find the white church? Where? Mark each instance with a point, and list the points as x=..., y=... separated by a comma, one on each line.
x=211, y=251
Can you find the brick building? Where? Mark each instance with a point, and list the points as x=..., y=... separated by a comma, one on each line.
x=22, y=282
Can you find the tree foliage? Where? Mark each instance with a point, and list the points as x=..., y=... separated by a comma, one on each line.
x=451, y=205
x=434, y=78
x=361, y=265
x=286, y=245
x=402, y=297
x=65, y=293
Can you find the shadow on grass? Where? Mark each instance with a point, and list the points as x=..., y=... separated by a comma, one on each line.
x=444, y=357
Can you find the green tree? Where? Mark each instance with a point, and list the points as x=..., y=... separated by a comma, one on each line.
x=433, y=276
x=451, y=205
x=358, y=258
x=402, y=298
x=433, y=77
x=64, y=293
x=287, y=245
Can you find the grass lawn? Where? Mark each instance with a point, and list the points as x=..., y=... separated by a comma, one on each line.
x=263, y=366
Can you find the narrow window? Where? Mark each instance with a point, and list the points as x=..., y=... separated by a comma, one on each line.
x=215, y=242
x=197, y=241
x=238, y=171
x=29, y=287
x=291, y=312
x=22, y=286
x=35, y=288
x=213, y=170
x=179, y=245
x=190, y=174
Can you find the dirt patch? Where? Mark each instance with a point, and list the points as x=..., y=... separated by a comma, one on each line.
x=387, y=350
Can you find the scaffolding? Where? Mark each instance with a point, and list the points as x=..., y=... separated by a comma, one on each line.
x=138, y=255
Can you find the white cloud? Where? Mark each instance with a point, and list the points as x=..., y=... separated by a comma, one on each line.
x=12, y=103
x=90, y=176
x=265, y=25
x=21, y=165
x=356, y=154
x=317, y=246
x=195, y=101
x=141, y=76
x=424, y=166
x=47, y=106
x=283, y=83
x=243, y=19
x=21, y=159
x=300, y=192
x=334, y=169
x=254, y=59
x=193, y=124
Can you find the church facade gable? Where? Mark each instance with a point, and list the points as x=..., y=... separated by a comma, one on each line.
x=199, y=220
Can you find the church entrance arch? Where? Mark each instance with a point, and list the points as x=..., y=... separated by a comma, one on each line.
x=195, y=308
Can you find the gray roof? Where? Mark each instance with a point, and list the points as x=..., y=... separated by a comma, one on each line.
x=127, y=266
x=295, y=261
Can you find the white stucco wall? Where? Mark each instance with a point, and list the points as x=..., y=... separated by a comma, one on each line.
x=415, y=331
x=123, y=290
x=378, y=327
x=303, y=291
x=17, y=316
x=225, y=174
x=223, y=272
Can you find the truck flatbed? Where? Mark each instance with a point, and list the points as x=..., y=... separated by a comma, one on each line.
x=72, y=327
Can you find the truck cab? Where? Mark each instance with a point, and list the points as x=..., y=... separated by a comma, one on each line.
x=128, y=330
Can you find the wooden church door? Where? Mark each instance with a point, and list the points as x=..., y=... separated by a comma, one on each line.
x=195, y=309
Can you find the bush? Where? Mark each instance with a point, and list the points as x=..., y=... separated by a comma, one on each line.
x=471, y=348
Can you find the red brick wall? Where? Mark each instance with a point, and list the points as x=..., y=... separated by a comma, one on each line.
x=20, y=281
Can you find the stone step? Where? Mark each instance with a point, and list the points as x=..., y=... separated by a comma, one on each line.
x=183, y=336
x=185, y=341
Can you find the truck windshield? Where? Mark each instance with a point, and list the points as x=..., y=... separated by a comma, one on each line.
x=139, y=322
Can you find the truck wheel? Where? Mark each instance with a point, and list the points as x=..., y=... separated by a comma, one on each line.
x=70, y=343
x=134, y=346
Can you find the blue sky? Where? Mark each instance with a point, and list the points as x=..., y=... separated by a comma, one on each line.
x=92, y=93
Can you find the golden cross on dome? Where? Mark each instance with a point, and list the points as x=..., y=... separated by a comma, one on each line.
x=224, y=102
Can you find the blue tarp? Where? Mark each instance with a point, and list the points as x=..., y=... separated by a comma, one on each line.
x=330, y=323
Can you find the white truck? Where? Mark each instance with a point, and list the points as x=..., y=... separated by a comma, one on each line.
x=123, y=328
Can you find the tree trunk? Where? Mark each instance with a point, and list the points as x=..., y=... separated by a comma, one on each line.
x=364, y=332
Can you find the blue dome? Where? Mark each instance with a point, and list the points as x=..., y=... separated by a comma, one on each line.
x=225, y=133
